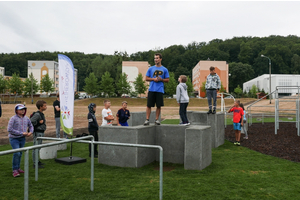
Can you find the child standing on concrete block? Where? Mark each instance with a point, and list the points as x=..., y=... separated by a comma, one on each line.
x=182, y=99
x=93, y=127
x=123, y=115
x=17, y=129
x=107, y=116
x=237, y=120
x=212, y=86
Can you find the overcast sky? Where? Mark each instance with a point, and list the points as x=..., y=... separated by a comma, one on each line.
x=105, y=27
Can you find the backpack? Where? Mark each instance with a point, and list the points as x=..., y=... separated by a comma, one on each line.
x=38, y=123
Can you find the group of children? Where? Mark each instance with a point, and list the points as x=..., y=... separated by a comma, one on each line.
x=20, y=126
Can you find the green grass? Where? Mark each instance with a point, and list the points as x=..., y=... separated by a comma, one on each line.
x=235, y=173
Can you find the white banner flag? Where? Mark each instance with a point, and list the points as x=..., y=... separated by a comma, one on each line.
x=66, y=93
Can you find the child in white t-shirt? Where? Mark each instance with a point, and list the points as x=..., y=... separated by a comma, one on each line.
x=107, y=116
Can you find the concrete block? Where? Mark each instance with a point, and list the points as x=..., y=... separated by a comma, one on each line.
x=138, y=118
x=171, y=139
x=48, y=152
x=217, y=123
x=61, y=147
x=197, y=153
x=126, y=156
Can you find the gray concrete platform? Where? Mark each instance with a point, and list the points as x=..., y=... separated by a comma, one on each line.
x=188, y=145
x=138, y=118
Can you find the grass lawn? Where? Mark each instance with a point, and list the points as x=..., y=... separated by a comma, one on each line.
x=235, y=173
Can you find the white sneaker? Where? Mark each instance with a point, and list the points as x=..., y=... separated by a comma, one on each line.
x=146, y=123
x=157, y=122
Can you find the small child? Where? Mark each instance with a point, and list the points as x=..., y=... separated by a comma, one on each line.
x=107, y=116
x=93, y=127
x=212, y=86
x=244, y=122
x=17, y=128
x=182, y=99
x=123, y=115
x=237, y=120
x=38, y=120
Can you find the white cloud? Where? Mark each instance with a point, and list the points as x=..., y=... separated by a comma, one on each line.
x=103, y=27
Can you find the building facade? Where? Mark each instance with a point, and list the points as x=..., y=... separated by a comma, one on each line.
x=132, y=70
x=40, y=68
x=262, y=82
x=2, y=71
x=201, y=71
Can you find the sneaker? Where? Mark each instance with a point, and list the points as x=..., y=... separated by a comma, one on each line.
x=20, y=171
x=214, y=112
x=238, y=143
x=188, y=123
x=16, y=173
x=209, y=112
x=157, y=122
x=235, y=143
x=182, y=124
x=146, y=122
x=246, y=138
x=39, y=166
x=40, y=163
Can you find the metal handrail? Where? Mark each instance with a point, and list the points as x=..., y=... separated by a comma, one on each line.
x=80, y=140
x=127, y=145
x=26, y=164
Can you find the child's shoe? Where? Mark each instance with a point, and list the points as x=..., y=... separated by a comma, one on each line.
x=235, y=143
x=20, y=171
x=16, y=173
x=214, y=111
x=246, y=138
x=238, y=143
x=209, y=112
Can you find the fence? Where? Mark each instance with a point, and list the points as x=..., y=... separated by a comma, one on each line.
x=81, y=140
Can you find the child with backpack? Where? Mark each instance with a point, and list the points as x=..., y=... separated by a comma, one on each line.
x=17, y=129
x=38, y=120
x=244, y=122
x=93, y=127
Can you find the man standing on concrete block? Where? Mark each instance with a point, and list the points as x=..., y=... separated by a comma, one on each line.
x=156, y=75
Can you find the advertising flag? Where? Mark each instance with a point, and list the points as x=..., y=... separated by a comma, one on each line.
x=66, y=93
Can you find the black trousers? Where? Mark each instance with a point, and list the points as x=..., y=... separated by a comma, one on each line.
x=182, y=112
x=95, y=134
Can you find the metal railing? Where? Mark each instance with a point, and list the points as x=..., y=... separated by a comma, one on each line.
x=223, y=107
x=81, y=140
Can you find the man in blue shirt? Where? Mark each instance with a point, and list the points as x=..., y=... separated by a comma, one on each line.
x=156, y=75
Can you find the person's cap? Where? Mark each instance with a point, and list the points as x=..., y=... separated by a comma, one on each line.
x=124, y=102
x=21, y=107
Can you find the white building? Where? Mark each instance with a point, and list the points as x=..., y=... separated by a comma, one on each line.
x=262, y=82
x=39, y=69
x=2, y=71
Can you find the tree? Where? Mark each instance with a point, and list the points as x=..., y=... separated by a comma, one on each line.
x=222, y=89
x=240, y=73
x=140, y=85
x=3, y=84
x=190, y=85
x=91, y=84
x=107, y=84
x=47, y=84
x=15, y=84
x=238, y=91
x=123, y=86
x=202, y=88
x=253, y=91
x=170, y=87
x=31, y=81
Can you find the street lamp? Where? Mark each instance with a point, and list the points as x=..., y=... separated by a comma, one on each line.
x=31, y=86
x=269, y=76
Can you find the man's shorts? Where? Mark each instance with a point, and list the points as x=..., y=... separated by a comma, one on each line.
x=237, y=126
x=123, y=124
x=155, y=98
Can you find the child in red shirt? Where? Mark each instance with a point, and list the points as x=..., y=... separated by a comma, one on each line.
x=238, y=114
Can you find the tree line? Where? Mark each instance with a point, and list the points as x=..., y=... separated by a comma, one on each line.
x=242, y=53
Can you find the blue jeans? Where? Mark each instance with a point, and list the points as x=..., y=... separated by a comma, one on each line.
x=211, y=94
x=17, y=143
x=182, y=112
x=124, y=124
x=57, y=127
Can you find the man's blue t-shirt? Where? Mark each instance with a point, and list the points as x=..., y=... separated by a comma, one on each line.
x=154, y=72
